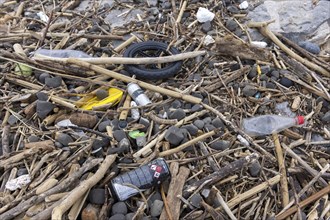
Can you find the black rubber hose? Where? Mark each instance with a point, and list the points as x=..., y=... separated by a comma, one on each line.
x=147, y=73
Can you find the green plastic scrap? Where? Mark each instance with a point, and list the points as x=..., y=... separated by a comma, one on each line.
x=136, y=133
x=23, y=70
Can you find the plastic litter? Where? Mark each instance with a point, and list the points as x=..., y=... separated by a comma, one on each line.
x=259, y=44
x=43, y=16
x=114, y=97
x=204, y=15
x=208, y=40
x=136, y=133
x=244, y=5
x=18, y=182
x=61, y=53
x=23, y=70
x=129, y=184
x=269, y=124
x=243, y=140
x=135, y=91
x=284, y=109
x=135, y=114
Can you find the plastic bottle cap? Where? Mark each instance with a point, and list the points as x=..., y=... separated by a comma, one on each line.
x=300, y=120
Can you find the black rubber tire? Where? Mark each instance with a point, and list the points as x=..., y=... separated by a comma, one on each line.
x=152, y=74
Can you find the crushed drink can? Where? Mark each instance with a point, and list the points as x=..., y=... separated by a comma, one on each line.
x=152, y=174
x=135, y=91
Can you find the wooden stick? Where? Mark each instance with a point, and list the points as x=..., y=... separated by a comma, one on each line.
x=263, y=26
x=224, y=204
x=79, y=191
x=304, y=203
x=281, y=166
x=183, y=7
x=127, y=60
x=187, y=144
x=304, y=164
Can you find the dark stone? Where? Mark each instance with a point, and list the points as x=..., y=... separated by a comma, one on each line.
x=44, y=108
x=249, y=90
x=96, y=196
x=310, y=47
x=43, y=76
x=176, y=104
x=117, y=217
x=209, y=127
x=124, y=144
x=177, y=114
x=207, y=120
x=196, y=108
x=192, y=129
x=102, y=126
x=270, y=85
x=275, y=74
x=42, y=96
x=126, y=160
x=129, y=216
x=101, y=94
x=174, y=135
x=119, y=135
x=286, y=82
x=167, y=5
x=199, y=124
x=196, y=200
x=53, y=82
x=326, y=117
x=254, y=169
x=220, y=145
x=58, y=144
x=64, y=139
x=231, y=24
x=264, y=77
x=217, y=122
x=119, y=208
x=265, y=69
x=156, y=208
x=206, y=27
x=21, y=171
x=253, y=72
x=12, y=120
x=145, y=122
x=233, y=9
x=33, y=138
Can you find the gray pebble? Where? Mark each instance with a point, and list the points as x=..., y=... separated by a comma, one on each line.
x=97, y=196
x=196, y=108
x=33, y=138
x=205, y=193
x=58, y=144
x=326, y=117
x=145, y=122
x=153, y=3
x=53, y=82
x=129, y=216
x=206, y=27
x=310, y=47
x=12, y=120
x=124, y=144
x=117, y=217
x=264, y=77
x=276, y=74
x=270, y=85
x=64, y=139
x=254, y=169
x=101, y=94
x=217, y=122
x=174, y=135
x=21, y=171
x=176, y=104
x=178, y=114
x=192, y=129
x=249, y=90
x=231, y=25
x=156, y=208
x=286, y=82
x=43, y=77
x=44, y=108
x=196, y=200
x=199, y=124
x=103, y=125
x=209, y=127
x=233, y=9
x=207, y=120
x=167, y=5
x=42, y=96
x=119, y=208
x=119, y=135
x=220, y=145
x=253, y=72
x=265, y=69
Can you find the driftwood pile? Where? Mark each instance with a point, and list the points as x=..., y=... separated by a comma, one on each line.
x=217, y=171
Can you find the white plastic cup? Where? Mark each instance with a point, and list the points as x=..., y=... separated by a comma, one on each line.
x=135, y=91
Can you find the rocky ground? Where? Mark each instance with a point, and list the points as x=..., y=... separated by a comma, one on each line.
x=59, y=158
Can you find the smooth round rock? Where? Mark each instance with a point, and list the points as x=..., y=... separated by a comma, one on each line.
x=196, y=108
x=220, y=145
x=310, y=47
x=102, y=127
x=21, y=171
x=97, y=196
x=286, y=82
x=44, y=108
x=192, y=129
x=326, y=117
x=249, y=90
x=117, y=217
x=176, y=104
x=196, y=200
x=231, y=25
x=43, y=76
x=64, y=139
x=206, y=27
x=119, y=208
x=178, y=114
x=156, y=208
x=101, y=94
x=209, y=127
x=275, y=74
x=129, y=216
x=58, y=144
x=254, y=169
x=199, y=124
x=217, y=122
x=53, y=82
x=119, y=135
x=12, y=120
x=33, y=138
x=42, y=96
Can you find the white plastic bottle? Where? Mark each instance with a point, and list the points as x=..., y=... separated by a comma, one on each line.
x=269, y=124
x=61, y=53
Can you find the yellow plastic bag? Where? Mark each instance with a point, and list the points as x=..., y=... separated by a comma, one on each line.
x=114, y=97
